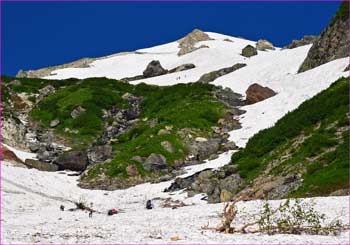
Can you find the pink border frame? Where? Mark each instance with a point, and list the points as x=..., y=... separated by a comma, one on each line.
x=135, y=1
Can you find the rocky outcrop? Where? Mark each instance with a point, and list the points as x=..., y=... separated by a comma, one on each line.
x=98, y=154
x=228, y=97
x=211, y=76
x=42, y=166
x=264, y=45
x=75, y=161
x=249, y=51
x=333, y=43
x=154, y=69
x=187, y=43
x=305, y=40
x=256, y=93
x=155, y=162
x=183, y=67
x=220, y=185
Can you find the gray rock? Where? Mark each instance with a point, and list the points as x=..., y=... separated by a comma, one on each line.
x=202, y=150
x=43, y=166
x=98, y=154
x=183, y=67
x=54, y=123
x=249, y=51
x=231, y=183
x=155, y=162
x=153, y=69
x=75, y=161
x=77, y=112
x=229, y=98
x=211, y=76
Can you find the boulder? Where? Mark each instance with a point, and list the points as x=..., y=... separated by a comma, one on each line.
x=153, y=69
x=54, y=123
x=75, y=160
x=256, y=93
x=43, y=166
x=77, y=112
x=155, y=162
x=203, y=149
x=211, y=76
x=249, y=51
x=98, y=154
x=229, y=146
x=263, y=45
x=231, y=183
x=229, y=98
x=167, y=146
x=131, y=170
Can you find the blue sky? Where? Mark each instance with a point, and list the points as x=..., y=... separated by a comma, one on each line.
x=41, y=34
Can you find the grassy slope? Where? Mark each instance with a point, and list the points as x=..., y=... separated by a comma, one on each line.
x=180, y=106
x=322, y=122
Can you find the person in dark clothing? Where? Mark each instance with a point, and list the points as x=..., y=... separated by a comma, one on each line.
x=112, y=211
x=62, y=208
x=90, y=214
x=149, y=204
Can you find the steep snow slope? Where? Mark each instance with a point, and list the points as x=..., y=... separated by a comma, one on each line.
x=30, y=214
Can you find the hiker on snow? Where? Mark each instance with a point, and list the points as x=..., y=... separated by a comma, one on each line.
x=112, y=211
x=149, y=204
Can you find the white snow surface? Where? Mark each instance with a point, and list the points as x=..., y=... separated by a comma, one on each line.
x=22, y=155
x=31, y=214
x=31, y=199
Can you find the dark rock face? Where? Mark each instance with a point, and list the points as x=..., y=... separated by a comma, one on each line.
x=153, y=69
x=211, y=76
x=333, y=43
x=256, y=93
x=305, y=40
x=75, y=161
x=42, y=166
x=98, y=154
x=155, y=162
x=249, y=51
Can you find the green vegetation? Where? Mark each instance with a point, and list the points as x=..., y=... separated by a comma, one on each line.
x=180, y=106
x=190, y=106
x=311, y=137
